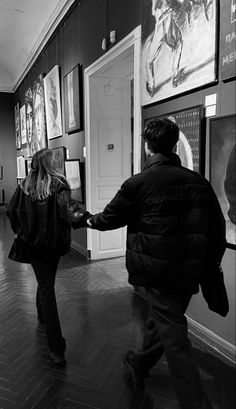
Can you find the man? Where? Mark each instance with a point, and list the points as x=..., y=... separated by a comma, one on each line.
x=175, y=231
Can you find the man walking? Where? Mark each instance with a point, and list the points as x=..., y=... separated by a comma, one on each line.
x=175, y=235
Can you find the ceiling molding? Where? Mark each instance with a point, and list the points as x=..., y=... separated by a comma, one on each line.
x=48, y=30
x=5, y=89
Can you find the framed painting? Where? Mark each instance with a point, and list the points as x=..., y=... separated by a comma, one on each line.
x=21, y=167
x=23, y=125
x=73, y=100
x=227, y=39
x=17, y=125
x=53, y=103
x=39, y=120
x=29, y=122
x=191, y=144
x=223, y=170
x=176, y=57
x=59, y=157
x=74, y=178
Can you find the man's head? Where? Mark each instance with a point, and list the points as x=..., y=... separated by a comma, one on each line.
x=160, y=136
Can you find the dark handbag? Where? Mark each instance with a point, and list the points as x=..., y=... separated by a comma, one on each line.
x=19, y=251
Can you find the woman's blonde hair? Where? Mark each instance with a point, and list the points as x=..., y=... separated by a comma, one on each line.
x=42, y=176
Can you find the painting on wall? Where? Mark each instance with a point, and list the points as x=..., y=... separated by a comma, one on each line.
x=53, y=103
x=227, y=39
x=29, y=121
x=73, y=175
x=39, y=120
x=23, y=125
x=73, y=98
x=191, y=137
x=17, y=125
x=223, y=170
x=176, y=56
x=59, y=157
x=21, y=167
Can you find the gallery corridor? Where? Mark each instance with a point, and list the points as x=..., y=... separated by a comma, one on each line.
x=101, y=318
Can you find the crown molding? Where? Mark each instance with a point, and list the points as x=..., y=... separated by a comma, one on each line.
x=52, y=23
x=6, y=89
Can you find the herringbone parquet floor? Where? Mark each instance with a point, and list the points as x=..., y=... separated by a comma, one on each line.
x=101, y=318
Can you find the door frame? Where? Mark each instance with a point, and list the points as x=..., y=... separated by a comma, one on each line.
x=132, y=39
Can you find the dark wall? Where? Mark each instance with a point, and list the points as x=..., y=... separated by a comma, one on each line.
x=7, y=144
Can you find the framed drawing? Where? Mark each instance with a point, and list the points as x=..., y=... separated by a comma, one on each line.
x=74, y=177
x=53, y=103
x=227, y=39
x=190, y=146
x=29, y=122
x=23, y=125
x=21, y=167
x=59, y=157
x=223, y=170
x=1, y=172
x=39, y=120
x=17, y=125
x=176, y=56
x=72, y=99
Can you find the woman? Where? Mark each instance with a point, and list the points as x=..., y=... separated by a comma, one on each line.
x=40, y=215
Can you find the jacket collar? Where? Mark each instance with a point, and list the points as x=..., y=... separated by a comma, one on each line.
x=157, y=158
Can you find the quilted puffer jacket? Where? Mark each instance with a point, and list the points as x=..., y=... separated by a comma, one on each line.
x=175, y=226
x=43, y=225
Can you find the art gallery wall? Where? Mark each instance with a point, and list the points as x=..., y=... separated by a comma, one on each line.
x=7, y=144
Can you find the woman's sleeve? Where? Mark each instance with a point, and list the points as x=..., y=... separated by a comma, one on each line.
x=11, y=210
x=67, y=205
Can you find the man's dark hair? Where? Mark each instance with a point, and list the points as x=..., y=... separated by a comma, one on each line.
x=161, y=135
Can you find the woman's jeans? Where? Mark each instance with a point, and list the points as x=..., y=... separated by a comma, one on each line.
x=45, y=268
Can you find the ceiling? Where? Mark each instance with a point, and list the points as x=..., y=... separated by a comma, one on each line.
x=25, y=26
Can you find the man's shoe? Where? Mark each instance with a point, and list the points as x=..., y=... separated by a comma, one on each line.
x=58, y=359
x=137, y=377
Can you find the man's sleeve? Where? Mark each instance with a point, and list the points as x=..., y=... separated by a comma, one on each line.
x=117, y=213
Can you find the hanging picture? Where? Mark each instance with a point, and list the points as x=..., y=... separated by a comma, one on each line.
x=178, y=47
x=190, y=146
x=59, y=157
x=29, y=121
x=53, y=103
x=17, y=125
x=227, y=39
x=223, y=170
x=74, y=177
x=1, y=172
x=23, y=125
x=73, y=98
x=39, y=120
x=21, y=167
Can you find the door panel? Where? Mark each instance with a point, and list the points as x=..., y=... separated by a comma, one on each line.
x=110, y=153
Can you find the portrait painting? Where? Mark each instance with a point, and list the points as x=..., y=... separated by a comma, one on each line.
x=39, y=121
x=23, y=125
x=73, y=97
x=223, y=170
x=17, y=125
x=29, y=121
x=178, y=47
x=227, y=39
x=53, y=103
x=190, y=146
x=59, y=157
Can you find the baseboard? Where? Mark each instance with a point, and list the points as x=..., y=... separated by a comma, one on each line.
x=77, y=247
x=218, y=346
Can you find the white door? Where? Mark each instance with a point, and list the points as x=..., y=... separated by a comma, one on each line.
x=110, y=155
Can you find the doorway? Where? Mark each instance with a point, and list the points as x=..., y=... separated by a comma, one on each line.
x=112, y=134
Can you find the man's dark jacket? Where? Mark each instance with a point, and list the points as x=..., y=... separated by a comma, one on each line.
x=176, y=230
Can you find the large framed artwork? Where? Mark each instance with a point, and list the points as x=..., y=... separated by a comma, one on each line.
x=53, y=103
x=223, y=170
x=39, y=120
x=178, y=47
x=74, y=178
x=191, y=144
x=227, y=39
x=23, y=125
x=17, y=125
x=73, y=99
x=59, y=157
x=29, y=122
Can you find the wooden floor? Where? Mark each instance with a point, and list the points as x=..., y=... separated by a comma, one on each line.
x=101, y=318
